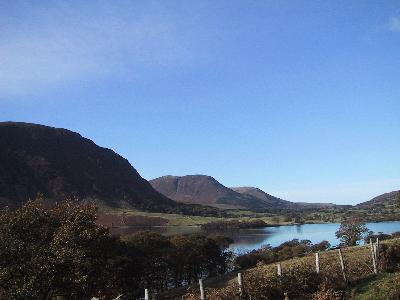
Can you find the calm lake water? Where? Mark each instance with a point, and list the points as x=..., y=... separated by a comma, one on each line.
x=250, y=239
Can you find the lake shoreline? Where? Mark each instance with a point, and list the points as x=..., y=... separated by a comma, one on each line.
x=249, y=239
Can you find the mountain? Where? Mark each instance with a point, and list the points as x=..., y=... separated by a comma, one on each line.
x=317, y=205
x=59, y=163
x=260, y=194
x=202, y=189
x=387, y=198
x=280, y=203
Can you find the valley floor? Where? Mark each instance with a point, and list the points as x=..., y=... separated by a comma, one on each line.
x=130, y=217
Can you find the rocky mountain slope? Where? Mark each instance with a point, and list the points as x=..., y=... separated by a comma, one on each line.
x=205, y=190
x=260, y=194
x=59, y=163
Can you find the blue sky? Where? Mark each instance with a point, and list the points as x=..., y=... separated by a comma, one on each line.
x=299, y=98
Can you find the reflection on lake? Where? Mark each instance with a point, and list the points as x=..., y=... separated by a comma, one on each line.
x=249, y=239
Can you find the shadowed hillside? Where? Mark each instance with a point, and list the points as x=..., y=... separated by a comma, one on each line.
x=60, y=163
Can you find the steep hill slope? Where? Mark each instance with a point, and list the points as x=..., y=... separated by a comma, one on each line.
x=60, y=163
x=202, y=189
x=260, y=194
x=384, y=199
x=279, y=203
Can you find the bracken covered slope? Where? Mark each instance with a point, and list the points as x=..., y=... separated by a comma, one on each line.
x=387, y=198
x=205, y=190
x=59, y=163
x=256, y=192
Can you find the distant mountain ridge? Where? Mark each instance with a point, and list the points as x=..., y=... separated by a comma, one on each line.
x=206, y=190
x=256, y=192
x=386, y=198
x=280, y=203
x=60, y=163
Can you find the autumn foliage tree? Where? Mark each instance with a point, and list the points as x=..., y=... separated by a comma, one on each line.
x=46, y=252
x=62, y=250
x=351, y=231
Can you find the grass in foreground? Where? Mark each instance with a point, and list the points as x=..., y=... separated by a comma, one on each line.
x=381, y=287
x=300, y=281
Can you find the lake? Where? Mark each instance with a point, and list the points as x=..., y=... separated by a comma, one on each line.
x=250, y=239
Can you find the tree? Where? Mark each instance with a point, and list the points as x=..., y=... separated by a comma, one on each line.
x=61, y=250
x=351, y=231
x=45, y=252
x=154, y=251
x=321, y=246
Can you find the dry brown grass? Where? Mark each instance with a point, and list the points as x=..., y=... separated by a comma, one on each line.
x=299, y=280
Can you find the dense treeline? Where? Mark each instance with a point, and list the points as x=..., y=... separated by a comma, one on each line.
x=182, y=208
x=63, y=251
x=234, y=224
x=286, y=250
x=125, y=219
x=191, y=210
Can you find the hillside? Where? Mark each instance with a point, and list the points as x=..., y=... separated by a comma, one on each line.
x=381, y=200
x=60, y=163
x=300, y=281
x=260, y=194
x=202, y=189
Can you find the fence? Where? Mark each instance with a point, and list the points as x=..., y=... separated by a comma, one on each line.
x=374, y=258
x=374, y=249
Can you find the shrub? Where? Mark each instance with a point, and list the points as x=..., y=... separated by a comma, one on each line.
x=286, y=250
x=300, y=281
x=382, y=236
x=389, y=257
x=322, y=246
x=54, y=251
x=327, y=293
x=234, y=224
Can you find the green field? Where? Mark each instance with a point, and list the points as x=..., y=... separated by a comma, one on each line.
x=369, y=214
x=185, y=220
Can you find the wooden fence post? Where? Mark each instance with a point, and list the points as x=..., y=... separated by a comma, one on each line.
x=373, y=254
x=377, y=254
x=286, y=296
x=146, y=294
x=377, y=249
x=240, y=282
x=279, y=267
x=342, y=264
x=317, y=262
x=202, y=291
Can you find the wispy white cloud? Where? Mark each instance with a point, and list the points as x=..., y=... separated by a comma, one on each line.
x=394, y=24
x=49, y=46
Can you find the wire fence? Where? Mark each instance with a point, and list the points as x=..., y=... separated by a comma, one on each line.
x=352, y=263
